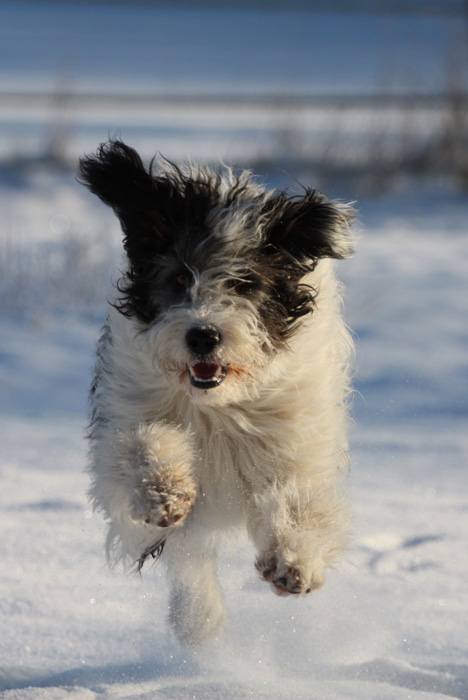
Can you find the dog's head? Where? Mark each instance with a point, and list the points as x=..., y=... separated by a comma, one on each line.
x=216, y=264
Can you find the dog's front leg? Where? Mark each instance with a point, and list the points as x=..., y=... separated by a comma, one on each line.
x=299, y=529
x=142, y=476
x=163, y=489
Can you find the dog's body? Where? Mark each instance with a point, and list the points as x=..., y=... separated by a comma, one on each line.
x=220, y=399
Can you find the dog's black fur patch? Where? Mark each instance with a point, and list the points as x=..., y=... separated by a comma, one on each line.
x=167, y=224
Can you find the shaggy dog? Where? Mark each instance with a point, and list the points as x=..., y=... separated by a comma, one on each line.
x=222, y=382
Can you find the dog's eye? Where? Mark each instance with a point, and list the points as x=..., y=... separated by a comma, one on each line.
x=183, y=279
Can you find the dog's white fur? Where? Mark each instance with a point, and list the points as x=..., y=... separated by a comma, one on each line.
x=266, y=449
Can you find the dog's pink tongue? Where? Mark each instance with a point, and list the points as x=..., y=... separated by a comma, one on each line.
x=205, y=370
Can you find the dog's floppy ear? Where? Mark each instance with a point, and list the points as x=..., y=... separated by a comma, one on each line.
x=143, y=203
x=309, y=227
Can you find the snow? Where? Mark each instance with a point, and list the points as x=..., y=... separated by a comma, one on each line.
x=391, y=621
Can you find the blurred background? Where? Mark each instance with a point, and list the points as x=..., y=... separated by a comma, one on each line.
x=366, y=90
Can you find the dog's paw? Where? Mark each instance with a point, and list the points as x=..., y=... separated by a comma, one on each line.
x=288, y=580
x=162, y=508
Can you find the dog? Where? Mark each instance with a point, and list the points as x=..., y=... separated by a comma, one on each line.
x=221, y=393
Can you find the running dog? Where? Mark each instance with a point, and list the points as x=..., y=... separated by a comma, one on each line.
x=221, y=394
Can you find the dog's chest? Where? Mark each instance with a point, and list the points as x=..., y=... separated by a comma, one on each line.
x=231, y=466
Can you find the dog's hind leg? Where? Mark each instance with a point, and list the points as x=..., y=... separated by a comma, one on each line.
x=197, y=611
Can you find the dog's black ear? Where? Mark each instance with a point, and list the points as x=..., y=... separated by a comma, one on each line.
x=143, y=203
x=308, y=227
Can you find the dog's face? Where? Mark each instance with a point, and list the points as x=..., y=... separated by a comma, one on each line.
x=216, y=266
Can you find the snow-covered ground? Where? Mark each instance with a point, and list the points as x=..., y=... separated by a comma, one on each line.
x=390, y=623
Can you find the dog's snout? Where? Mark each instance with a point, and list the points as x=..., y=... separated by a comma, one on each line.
x=202, y=340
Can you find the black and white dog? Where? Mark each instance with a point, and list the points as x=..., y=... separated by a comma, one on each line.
x=221, y=391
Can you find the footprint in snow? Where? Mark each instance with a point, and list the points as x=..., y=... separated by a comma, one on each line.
x=387, y=553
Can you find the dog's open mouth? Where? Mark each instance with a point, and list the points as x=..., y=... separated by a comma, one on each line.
x=207, y=375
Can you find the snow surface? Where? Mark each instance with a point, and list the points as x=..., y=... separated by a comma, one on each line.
x=391, y=621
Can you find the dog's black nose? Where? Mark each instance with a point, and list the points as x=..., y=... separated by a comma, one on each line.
x=202, y=340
